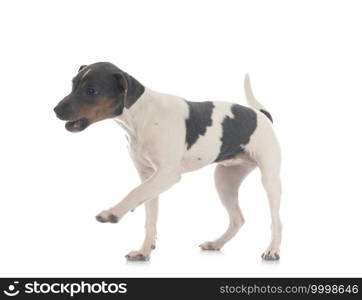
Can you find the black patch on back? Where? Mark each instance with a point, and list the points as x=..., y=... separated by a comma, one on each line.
x=267, y=114
x=199, y=118
x=236, y=131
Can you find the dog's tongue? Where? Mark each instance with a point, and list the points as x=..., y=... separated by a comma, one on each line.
x=75, y=126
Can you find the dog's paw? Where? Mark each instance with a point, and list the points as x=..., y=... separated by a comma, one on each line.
x=107, y=216
x=271, y=254
x=137, y=256
x=209, y=246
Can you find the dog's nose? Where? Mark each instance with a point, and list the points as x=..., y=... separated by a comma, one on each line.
x=59, y=111
x=56, y=110
x=62, y=110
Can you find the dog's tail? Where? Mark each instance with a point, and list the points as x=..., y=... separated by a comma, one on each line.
x=250, y=98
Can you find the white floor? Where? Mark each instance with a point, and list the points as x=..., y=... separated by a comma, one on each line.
x=321, y=235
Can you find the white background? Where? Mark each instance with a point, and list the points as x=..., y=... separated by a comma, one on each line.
x=305, y=62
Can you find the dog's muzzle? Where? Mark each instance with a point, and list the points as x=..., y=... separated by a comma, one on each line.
x=63, y=112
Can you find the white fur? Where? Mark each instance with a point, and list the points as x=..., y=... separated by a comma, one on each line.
x=155, y=125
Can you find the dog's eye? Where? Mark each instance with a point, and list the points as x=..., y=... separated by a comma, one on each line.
x=91, y=91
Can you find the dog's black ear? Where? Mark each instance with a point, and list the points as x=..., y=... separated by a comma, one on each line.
x=81, y=67
x=129, y=88
x=122, y=82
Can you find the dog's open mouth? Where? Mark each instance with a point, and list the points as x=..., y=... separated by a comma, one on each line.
x=77, y=125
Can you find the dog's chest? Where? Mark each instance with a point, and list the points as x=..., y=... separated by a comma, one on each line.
x=136, y=149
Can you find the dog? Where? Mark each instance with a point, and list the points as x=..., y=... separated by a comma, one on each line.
x=169, y=136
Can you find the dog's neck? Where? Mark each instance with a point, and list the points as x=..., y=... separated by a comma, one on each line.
x=135, y=118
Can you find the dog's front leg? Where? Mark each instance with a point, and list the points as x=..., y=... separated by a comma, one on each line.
x=160, y=181
x=149, y=242
x=151, y=208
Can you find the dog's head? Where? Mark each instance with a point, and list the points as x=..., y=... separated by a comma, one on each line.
x=100, y=91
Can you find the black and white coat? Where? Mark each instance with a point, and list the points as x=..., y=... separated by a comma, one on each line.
x=169, y=136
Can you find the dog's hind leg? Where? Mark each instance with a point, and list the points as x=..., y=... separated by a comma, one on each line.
x=272, y=186
x=227, y=182
x=269, y=164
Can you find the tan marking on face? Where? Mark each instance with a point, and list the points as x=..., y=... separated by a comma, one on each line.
x=100, y=111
